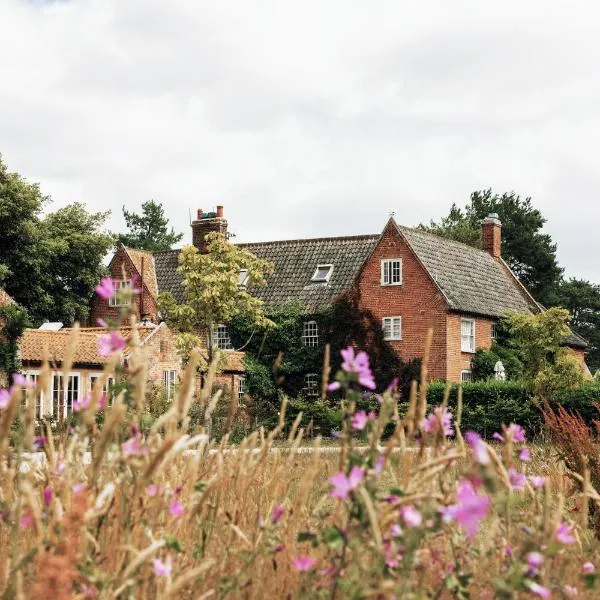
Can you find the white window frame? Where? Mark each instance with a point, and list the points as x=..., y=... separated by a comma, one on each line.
x=388, y=325
x=243, y=279
x=39, y=395
x=116, y=299
x=63, y=404
x=310, y=333
x=170, y=381
x=467, y=343
x=494, y=330
x=110, y=381
x=327, y=277
x=220, y=338
x=311, y=385
x=388, y=275
x=466, y=376
x=241, y=387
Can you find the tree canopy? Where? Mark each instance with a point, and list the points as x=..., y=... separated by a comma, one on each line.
x=149, y=230
x=50, y=263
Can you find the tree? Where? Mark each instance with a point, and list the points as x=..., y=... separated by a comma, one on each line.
x=528, y=251
x=582, y=299
x=149, y=231
x=49, y=265
x=215, y=287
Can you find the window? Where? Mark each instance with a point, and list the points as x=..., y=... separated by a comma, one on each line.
x=494, y=330
x=58, y=392
x=466, y=376
x=322, y=273
x=117, y=299
x=72, y=393
x=170, y=379
x=34, y=377
x=310, y=333
x=467, y=335
x=243, y=281
x=106, y=388
x=311, y=385
x=241, y=387
x=392, y=328
x=221, y=339
x=391, y=271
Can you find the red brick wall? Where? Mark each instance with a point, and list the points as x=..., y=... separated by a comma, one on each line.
x=417, y=301
x=458, y=361
x=144, y=304
x=161, y=354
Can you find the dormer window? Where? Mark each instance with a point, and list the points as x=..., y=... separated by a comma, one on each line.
x=243, y=280
x=322, y=273
x=119, y=298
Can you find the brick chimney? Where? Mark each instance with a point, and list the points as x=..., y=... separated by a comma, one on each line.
x=491, y=229
x=205, y=223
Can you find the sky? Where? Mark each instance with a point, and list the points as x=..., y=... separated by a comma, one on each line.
x=307, y=119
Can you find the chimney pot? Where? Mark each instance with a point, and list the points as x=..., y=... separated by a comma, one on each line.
x=219, y=212
x=199, y=214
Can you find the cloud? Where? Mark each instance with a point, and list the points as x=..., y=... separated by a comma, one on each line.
x=307, y=119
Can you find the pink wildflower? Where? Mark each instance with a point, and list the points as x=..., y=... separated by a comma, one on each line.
x=537, y=481
x=588, y=568
x=26, y=519
x=22, y=381
x=48, y=495
x=110, y=343
x=479, y=448
x=471, y=508
x=343, y=484
x=439, y=419
x=359, y=364
x=304, y=563
x=176, y=508
x=379, y=464
x=541, y=591
x=102, y=323
x=132, y=447
x=60, y=468
x=82, y=404
x=360, y=420
x=102, y=402
x=78, y=487
x=277, y=513
x=514, y=433
x=4, y=399
x=507, y=549
x=534, y=560
x=162, y=569
x=564, y=532
x=412, y=517
x=334, y=386
x=517, y=480
x=570, y=591
x=152, y=490
x=396, y=530
x=89, y=591
x=106, y=288
x=525, y=454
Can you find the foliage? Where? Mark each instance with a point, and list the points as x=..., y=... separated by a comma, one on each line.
x=484, y=361
x=212, y=290
x=529, y=252
x=49, y=264
x=13, y=321
x=149, y=230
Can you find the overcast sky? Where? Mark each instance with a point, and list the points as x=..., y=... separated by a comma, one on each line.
x=310, y=118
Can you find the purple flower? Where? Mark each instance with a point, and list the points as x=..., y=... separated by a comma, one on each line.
x=152, y=490
x=48, y=495
x=176, y=508
x=517, y=480
x=110, y=343
x=106, y=288
x=343, y=484
x=304, y=563
x=359, y=364
x=82, y=404
x=514, y=433
x=412, y=517
x=4, y=399
x=132, y=447
x=379, y=464
x=471, y=508
x=102, y=323
x=564, y=533
x=78, y=487
x=360, y=420
x=588, y=568
x=439, y=419
x=277, y=513
x=537, y=481
x=479, y=448
x=534, y=560
x=26, y=519
x=162, y=569
x=396, y=530
x=541, y=591
x=40, y=441
x=334, y=386
x=22, y=381
x=507, y=549
x=524, y=454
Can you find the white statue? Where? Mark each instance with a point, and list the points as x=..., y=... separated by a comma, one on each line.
x=499, y=371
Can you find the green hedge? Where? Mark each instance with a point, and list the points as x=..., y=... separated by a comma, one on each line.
x=486, y=406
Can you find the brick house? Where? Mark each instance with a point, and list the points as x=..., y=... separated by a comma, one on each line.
x=408, y=279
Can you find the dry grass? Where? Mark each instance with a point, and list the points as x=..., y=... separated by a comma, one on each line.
x=109, y=517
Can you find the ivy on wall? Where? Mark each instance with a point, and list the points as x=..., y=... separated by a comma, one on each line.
x=13, y=321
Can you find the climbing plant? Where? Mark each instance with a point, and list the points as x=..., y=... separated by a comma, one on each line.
x=13, y=321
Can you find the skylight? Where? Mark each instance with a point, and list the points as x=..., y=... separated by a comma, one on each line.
x=322, y=274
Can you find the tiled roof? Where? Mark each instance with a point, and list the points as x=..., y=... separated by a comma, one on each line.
x=5, y=299
x=34, y=341
x=167, y=277
x=139, y=257
x=470, y=279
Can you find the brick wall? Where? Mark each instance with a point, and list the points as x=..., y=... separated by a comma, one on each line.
x=144, y=304
x=417, y=301
x=161, y=354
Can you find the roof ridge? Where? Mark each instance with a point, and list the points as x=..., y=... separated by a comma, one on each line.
x=441, y=237
x=318, y=239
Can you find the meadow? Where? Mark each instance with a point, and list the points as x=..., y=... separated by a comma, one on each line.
x=125, y=506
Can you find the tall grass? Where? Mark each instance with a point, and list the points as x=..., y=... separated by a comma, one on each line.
x=132, y=509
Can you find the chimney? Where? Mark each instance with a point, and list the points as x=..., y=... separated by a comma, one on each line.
x=491, y=229
x=206, y=223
